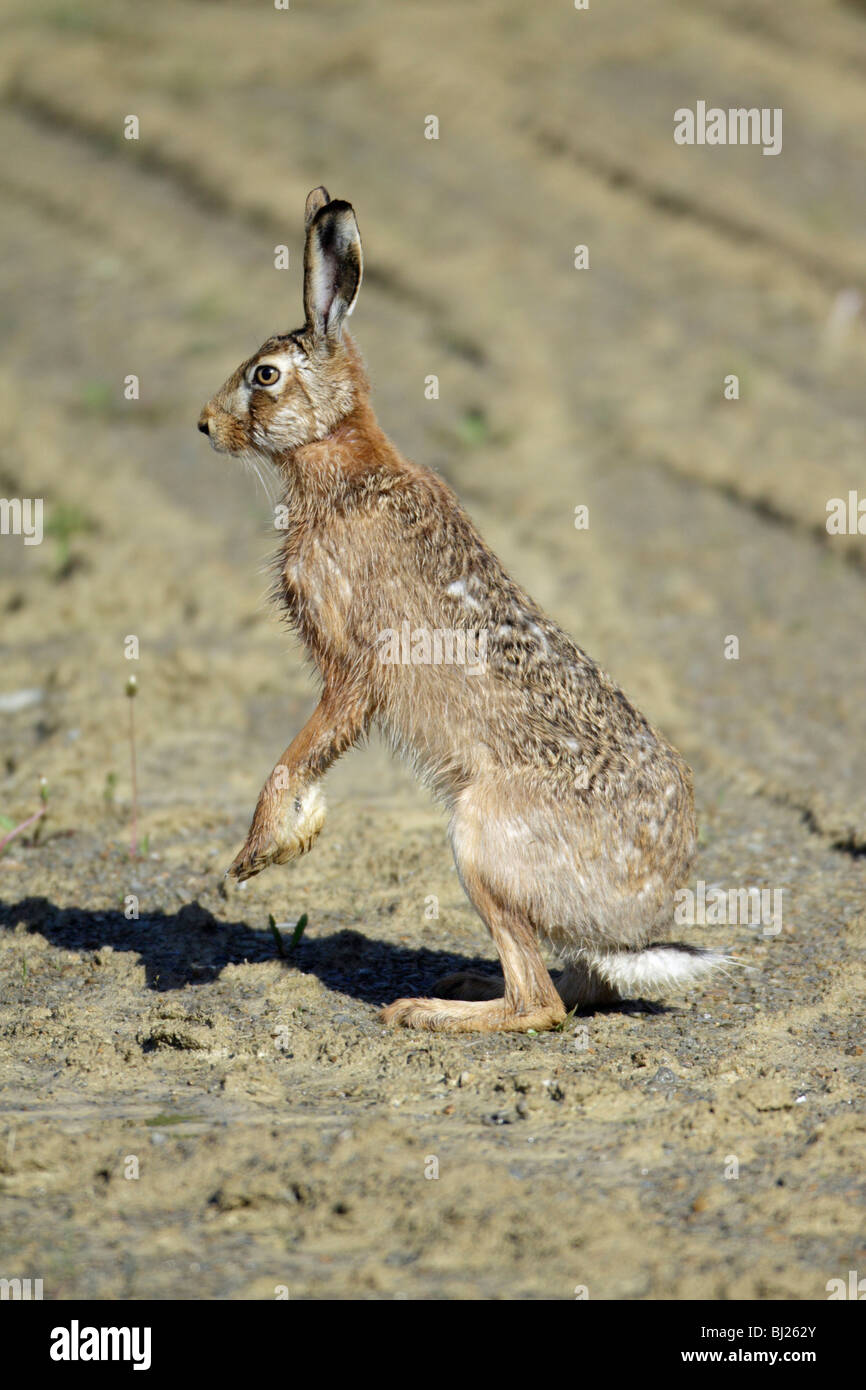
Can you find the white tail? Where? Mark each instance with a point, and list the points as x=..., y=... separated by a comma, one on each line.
x=670, y=965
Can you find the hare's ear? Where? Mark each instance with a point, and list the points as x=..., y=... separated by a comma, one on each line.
x=333, y=265
x=315, y=200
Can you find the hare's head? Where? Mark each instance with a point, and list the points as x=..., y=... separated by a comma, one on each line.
x=299, y=386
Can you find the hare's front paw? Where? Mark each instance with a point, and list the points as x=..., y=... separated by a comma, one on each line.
x=280, y=833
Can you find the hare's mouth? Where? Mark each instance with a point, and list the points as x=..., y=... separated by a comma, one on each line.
x=222, y=444
x=225, y=434
x=205, y=426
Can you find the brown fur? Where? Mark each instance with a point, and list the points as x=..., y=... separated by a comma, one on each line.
x=572, y=820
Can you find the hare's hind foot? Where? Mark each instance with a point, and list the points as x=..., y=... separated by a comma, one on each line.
x=469, y=985
x=280, y=831
x=463, y=1016
x=521, y=1000
x=577, y=988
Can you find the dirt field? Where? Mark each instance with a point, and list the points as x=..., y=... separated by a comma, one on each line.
x=281, y=1137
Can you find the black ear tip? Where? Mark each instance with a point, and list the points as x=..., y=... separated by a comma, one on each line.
x=339, y=205
x=336, y=218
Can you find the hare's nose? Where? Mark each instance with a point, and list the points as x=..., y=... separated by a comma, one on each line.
x=204, y=423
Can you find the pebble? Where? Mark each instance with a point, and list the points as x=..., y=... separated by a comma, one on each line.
x=15, y=700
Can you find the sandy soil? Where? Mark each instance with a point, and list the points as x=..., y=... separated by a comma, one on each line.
x=186, y=1113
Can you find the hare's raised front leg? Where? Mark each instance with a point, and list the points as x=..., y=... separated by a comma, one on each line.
x=291, y=812
x=530, y=1000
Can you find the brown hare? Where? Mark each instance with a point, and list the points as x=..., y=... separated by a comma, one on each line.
x=572, y=820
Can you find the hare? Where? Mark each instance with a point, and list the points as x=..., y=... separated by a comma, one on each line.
x=571, y=820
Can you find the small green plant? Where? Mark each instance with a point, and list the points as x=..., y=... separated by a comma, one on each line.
x=66, y=521
x=298, y=932
x=473, y=428
x=300, y=925
x=36, y=819
x=277, y=935
x=131, y=692
x=43, y=797
x=97, y=397
x=110, y=789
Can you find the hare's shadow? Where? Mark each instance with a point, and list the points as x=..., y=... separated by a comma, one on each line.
x=192, y=947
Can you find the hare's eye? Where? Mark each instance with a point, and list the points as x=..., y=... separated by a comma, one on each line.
x=265, y=375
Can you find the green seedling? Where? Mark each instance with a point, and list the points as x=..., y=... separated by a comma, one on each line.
x=131, y=692
x=566, y=1022
x=36, y=819
x=298, y=932
x=43, y=797
x=97, y=397
x=473, y=429
x=64, y=522
x=275, y=931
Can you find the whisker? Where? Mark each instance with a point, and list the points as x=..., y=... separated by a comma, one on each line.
x=268, y=476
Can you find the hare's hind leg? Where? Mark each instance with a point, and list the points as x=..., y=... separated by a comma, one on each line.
x=470, y=984
x=580, y=987
x=530, y=1000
